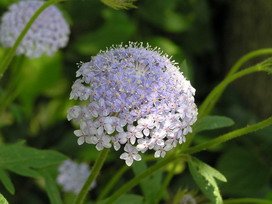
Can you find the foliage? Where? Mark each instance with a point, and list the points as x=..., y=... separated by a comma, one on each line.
x=34, y=99
x=205, y=176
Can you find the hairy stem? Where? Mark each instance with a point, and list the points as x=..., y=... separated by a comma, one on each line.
x=7, y=60
x=95, y=171
x=247, y=201
x=210, y=100
x=247, y=57
x=229, y=136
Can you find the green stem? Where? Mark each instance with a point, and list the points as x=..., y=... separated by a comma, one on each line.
x=95, y=171
x=118, y=175
x=247, y=201
x=136, y=180
x=247, y=57
x=229, y=136
x=5, y=63
x=112, y=182
x=210, y=101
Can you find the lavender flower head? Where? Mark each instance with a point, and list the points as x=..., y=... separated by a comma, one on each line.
x=135, y=98
x=72, y=176
x=47, y=34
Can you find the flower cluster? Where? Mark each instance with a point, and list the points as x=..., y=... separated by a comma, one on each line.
x=47, y=34
x=72, y=176
x=136, y=99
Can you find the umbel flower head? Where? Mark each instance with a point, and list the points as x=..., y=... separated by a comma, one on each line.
x=135, y=98
x=72, y=176
x=47, y=34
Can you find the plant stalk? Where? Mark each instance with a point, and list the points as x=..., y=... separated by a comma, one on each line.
x=229, y=136
x=210, y=100
x=95, y=171
x=136, y=180
x=247, y=57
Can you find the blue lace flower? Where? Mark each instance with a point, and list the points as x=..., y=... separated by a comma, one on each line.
x=47, y=34
x=72, y=176
x=135, y=97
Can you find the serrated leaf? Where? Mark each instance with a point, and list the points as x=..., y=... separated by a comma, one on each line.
x=212, y=122
x=3, y=200
x=5, y=179
x=23, y=160
x=24, y=171
x=51, y=187
x=151, y=186
x=204, y=175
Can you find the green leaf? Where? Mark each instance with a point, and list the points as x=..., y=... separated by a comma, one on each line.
x=5, y=179
x=24, y=171
x=3, y=200
x=204, y=175
x=24, y=160
x=211, y=123
x=247, y=173
x=117, y=25
x=51, y=187
x=151, y=186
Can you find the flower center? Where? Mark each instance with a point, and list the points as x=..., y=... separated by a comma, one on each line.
x=141, y=70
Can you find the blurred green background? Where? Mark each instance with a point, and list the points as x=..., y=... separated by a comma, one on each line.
x=210, y=34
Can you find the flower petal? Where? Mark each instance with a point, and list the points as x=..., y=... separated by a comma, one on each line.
x=80, y=140
x=129, y=161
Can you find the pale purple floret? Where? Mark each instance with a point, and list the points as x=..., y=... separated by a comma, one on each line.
x=73, y=113
x=137, y=100
x=130, y=154
x=72, y=176
x=161, y=150
x=47, y=34
x=117, y=140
